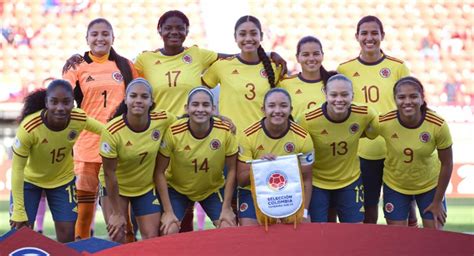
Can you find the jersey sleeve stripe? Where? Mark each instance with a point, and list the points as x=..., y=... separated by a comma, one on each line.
x=297, y=127
x=158, y=117
x=32, y=127
x=348, y=61
x=116, y=129
x=176, y=131
x=223, y=127
x=78, y=118
x=436, y=122
x=394, y=59
x=118, y=123
x=297, y=132
x=314, y=112
x=32, y=121
x=359, y=111
x=250, y=132
x=178, y=126
x=435, y=117
x=313, y=117
x=393, y=112
x=385, y=119
x=257, y=124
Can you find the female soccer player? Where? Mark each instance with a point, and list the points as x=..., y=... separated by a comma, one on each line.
x=99, y=85
x=244, y=78
x=419, y=158
x=198, y=147
x=336, y=128
x=42, y=159
x=373, y=74
x=274, y=135
x=306, y=88
x=128, y=147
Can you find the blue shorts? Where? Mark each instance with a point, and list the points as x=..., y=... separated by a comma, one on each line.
x=145, y=204
x=245, y=203
x=348, y=201
x=372, y=172
x=397, y=205
x=62, y=201
x=212, y=205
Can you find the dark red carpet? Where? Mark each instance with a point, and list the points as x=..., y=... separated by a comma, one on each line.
x=307, y=239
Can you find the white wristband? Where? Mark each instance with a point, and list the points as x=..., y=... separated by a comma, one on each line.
x=305, y=213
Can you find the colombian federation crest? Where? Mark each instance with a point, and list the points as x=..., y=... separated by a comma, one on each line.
x=215, y=144
x=277, y=180
x=263, y=73
x=155, y=134
x=385, y=72
x=187, y=59
x=289, y=147
x=425, y=137
x=29, y=251
x=117, y=76
x=72, y=135
x=243, y=207
x=354, y=128
x=389, y=207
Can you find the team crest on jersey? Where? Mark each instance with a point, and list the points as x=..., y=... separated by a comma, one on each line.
x=117, y=76
x=277, y=180
x=215, y=144
x=425, y=137
x=354, y=128
x=385, y=72
x=72, y=135
x=389, y=207
x=105, y=147
x=187, y=59
x=289, y=147
x=155, y=135
x=243, y=207
x=263, y=73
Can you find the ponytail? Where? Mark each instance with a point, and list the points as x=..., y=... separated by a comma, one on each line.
x=262, y=55
x=123, y=65
x=34, y=102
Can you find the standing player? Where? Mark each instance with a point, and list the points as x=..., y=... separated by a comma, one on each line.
x=306, y=88
x=419, y=158
x=99, y=86
x=274, y=135
x=198, y=147
x=336, y=128
x=128, y=147
x=244, y=78
x=42, y=159
x=373, y=75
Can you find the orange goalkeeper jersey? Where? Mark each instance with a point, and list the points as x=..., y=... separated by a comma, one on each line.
x=98, y=89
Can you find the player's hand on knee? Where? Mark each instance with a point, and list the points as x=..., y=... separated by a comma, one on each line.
x=19, y=224
x=226, y=219
x=117, y=227
x=169, y=224
x=439, y=214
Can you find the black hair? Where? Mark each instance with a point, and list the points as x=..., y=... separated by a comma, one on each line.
x=413, y=81
x=172, y=13
x=274, y=90
x=36, y=100
x=123, y=64
x=262, y=55
x=370, y=18
x=325, y=75
x=122, y=107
